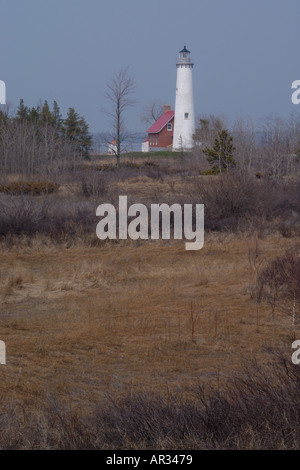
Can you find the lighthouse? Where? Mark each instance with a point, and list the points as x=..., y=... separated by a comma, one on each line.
x=184, y=119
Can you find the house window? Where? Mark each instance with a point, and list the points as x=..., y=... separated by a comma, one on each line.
x=169, y=126
x=186, y=115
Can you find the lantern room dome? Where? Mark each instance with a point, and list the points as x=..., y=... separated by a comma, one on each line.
x=184, y=50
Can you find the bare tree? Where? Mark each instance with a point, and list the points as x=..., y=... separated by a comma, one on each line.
x=152, y=112
x=275, y=147
x=119, y=93
x=244, y=139
x=293, y=136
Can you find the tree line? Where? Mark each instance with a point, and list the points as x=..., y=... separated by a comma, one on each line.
x=273, y=151
x=38, y=139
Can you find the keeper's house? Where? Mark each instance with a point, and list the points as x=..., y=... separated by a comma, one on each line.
x=160, y=134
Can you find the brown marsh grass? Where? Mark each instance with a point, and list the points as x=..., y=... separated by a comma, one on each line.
x=142, y=323
x=84, y=322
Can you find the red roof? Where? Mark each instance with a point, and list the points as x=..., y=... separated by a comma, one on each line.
x=161, y=122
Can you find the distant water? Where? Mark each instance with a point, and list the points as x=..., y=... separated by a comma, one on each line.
x=132, y=144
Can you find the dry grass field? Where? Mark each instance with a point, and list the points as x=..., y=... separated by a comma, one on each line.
x=86, y=321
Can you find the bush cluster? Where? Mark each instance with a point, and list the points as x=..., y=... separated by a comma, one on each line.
x=232, y=200
x=29, y=187
x=257, y=410
x=59, y=220
x=279, y=284
x=126, y=164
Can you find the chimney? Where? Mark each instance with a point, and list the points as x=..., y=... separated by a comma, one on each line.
x=166, y=107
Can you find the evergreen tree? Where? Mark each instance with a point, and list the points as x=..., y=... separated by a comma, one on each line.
x=22, y=111
x=77, y=130
x=220, y=157
x=3, y=118
x=56, y=115
x=85, y=138
x=46, y=117
x=34, y=115
x=74, y=128
x=71, y=125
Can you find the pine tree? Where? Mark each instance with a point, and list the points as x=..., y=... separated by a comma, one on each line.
x=220, y=157
x=49, y=125
x=56, y=115
x=85, y=139
x=22, y=111
x=71, y=125
x=34, y=115
x=46, y=117
x=77, y=130
x=3, y=118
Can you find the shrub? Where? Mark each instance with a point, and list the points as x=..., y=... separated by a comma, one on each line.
x=60, y=221
x=30, y=187
x=284, y=274
x=92, y=184
x=105, y=167
x=22, y=216
x=208, y=172
x=148, y=164
x=133, y=165
x=230, y=198
x=279, y=282
x=259, y=409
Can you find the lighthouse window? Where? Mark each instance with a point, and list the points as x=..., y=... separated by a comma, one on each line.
x=186, y=115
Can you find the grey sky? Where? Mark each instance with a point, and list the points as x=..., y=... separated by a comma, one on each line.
x=245, y=52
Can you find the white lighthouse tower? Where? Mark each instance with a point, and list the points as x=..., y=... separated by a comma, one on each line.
x=184, y=120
